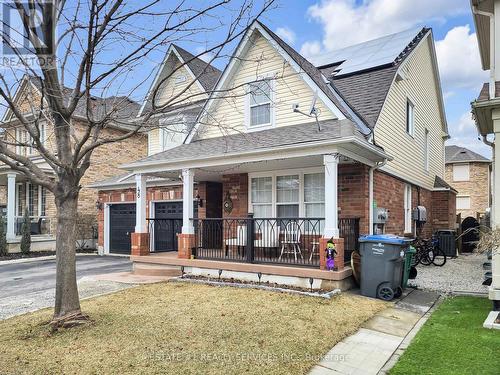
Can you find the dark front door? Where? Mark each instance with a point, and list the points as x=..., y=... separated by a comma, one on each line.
x=168, y=222
x=121, y=226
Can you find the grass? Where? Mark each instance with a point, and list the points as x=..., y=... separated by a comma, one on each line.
x=184, y=328
x=453, y=341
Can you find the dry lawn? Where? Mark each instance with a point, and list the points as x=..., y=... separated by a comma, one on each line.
x=174, y=328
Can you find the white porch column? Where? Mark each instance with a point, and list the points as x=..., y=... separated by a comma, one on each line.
x=331, y=163
x=187, y=201
x=140, y=215
x=494, y=292
x=11, y=205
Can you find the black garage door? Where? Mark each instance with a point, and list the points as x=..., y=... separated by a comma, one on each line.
x=165, y=230
x=121, y=225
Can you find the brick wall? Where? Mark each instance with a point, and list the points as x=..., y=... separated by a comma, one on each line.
x=443, y=210
x=353, y=198
x=236, y=185
x=477, y=188
x=3, y=195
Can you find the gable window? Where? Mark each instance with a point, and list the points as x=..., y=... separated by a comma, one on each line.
x=460, y=172
x=259, y=103
x=172, y=136
x=410, y=117
x=426, y=150
x=24, y=138
x=463, y=202
x=407, y=209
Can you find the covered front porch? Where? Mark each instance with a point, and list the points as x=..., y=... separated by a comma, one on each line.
x=273, y=210
x=18, y=195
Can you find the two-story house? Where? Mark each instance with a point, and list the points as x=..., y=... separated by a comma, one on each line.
x=288, y=153
x=17, y=193
x=470, y=175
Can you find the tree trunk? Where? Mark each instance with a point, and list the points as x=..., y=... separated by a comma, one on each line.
x=67, y=304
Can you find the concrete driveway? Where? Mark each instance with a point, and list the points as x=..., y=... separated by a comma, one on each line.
x=30, y=286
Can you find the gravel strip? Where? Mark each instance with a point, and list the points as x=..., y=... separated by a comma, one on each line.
x=459, y=275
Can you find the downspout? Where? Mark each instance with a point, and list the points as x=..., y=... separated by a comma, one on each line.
x=491, y=16
x=491, y=177
x=370, y=194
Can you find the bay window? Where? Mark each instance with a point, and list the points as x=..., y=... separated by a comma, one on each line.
x=288, y=194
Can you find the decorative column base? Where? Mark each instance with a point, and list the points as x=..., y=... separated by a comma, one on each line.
x=186, y=243
x=339, y=259
x=140, y=244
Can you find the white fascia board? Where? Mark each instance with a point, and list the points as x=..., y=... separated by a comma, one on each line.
x=288, y=151
x=20, y=89
x=235, y=61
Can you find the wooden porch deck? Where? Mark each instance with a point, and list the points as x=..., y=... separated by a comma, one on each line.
x=171, y=259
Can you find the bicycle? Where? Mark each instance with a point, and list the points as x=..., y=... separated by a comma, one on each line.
x=424, y=254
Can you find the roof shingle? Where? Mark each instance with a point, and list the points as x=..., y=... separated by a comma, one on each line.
x=457, y=154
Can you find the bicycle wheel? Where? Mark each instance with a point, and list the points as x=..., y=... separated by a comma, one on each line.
x=439, y=257
x=427, y=257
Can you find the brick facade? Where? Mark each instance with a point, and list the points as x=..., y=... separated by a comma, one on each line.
x=477, y=188
x=236, y=187
x=443, y=209
x=353, y=194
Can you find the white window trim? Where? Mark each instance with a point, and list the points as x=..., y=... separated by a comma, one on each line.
x=410, y=121
x=274, y=175
x=463, y=196
x=453, y=172
x=272, y=101
x=407, y=209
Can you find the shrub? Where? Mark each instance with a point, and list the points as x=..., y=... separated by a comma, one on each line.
x=26, y=233
x=3, y=238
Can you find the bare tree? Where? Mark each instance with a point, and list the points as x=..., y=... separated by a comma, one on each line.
x=98, y=48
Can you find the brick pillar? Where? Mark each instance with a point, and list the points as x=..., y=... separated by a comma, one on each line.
x=186, y=243
x=140, y=244
x=339, y=259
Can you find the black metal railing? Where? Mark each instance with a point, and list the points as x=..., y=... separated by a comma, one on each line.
x=163, y=234
x=349, y=231
x=293, y=241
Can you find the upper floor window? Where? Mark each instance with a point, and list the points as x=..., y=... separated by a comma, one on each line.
x=172, y=135
x=180, y=79
x=460, y=172
x=23, y=137
x=410, y=117
x=260, y=98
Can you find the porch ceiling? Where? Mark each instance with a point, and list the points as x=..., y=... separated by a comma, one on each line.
x=215, y=173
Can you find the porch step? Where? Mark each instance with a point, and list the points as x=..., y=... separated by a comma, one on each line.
x=144, y=269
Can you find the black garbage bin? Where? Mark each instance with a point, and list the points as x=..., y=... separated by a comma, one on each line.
x=382, y=262
x=447, y=243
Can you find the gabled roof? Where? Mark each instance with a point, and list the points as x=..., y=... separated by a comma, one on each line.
x=366, y=89
x=121, y=108
x=204, y=74
x=458, y=154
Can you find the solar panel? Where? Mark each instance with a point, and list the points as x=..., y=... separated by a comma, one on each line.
x=366, y=55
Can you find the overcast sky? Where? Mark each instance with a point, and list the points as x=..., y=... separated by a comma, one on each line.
x=314, y=26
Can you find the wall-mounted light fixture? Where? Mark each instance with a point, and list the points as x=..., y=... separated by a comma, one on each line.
x=199, y=200
x=98, y=205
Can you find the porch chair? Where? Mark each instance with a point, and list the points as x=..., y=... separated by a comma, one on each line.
x=291, y=241
x=240, y=241
x=269, y=236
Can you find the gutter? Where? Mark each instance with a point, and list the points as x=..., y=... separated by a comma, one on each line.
x=491, y=16
x=370, y=194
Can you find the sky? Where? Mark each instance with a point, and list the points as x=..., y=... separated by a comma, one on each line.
x=316, y=26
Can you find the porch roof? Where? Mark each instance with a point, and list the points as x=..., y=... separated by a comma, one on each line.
x=277, y=142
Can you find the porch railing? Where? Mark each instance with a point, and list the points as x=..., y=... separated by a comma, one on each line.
x=163, y=234
x=286, y=241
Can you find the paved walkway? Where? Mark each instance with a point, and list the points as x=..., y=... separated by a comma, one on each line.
x=375, y=348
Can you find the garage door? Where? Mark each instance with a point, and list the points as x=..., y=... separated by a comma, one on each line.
x=121, y=225
x=165, y=230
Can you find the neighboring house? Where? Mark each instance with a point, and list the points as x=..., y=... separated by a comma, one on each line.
x=314, y=149
x=486, y=110
x=469, y=174
x=17, y=193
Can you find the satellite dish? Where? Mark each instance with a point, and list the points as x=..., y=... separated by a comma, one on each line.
x=312, y=110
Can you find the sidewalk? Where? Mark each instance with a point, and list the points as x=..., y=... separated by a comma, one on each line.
x=375, y=348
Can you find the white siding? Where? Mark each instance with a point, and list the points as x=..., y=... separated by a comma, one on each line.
x=420, y=87
x=227, y=115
